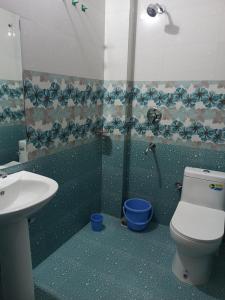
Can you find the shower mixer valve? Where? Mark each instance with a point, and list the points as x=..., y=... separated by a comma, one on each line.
x=154, y=116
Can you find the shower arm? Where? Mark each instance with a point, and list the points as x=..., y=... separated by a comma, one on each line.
x=161, y=9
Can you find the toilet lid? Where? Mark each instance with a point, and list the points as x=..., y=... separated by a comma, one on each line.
x=198, y=222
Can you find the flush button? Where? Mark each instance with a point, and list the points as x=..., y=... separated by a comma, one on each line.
x=206, y=171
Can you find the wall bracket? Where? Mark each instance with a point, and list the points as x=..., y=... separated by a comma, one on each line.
x=75, y=2
x=83, y=8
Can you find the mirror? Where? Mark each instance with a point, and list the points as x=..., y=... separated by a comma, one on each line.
x=12, y=116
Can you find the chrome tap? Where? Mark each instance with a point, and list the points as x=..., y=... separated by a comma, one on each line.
x=151, y=147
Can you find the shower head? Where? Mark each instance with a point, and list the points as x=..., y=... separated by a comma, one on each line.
x=155, y=9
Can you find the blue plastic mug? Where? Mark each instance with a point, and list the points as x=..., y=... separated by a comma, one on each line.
x=96, y=222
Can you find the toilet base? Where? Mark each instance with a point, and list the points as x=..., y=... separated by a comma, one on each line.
x=192, y=270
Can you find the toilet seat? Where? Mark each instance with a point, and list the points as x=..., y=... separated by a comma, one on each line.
x=198, y=223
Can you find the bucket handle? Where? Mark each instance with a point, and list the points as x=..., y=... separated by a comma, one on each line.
x=149, y=219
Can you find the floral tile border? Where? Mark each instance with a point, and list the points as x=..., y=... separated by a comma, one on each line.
x=193, y=112
x=59, y=135
x=60, y=110
x=11, y=102
x=169, y=94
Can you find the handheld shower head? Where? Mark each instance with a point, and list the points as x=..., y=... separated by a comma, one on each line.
x=155, y=9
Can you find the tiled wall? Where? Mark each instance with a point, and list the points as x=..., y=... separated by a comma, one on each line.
x=63, y=115
x=89, y=172
x=193, y=113
x=153, y=176
x=61, y=111
x=162, y=55
x=191, y=133
x=119, y=169
x=12, y=119
x=78, y=173
x=112, y=188
x=11, y=102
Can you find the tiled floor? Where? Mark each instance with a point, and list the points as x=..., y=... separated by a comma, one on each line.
x=120, y=264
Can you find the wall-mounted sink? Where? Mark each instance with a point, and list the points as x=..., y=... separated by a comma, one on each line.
x=21, y=194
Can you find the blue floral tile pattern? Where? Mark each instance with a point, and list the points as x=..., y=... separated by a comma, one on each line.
x=40, y=138
x=60, y=111
x=187, y=97
x=11, y=102
x=193, y=112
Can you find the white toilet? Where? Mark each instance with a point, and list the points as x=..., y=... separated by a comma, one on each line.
x=197, y=226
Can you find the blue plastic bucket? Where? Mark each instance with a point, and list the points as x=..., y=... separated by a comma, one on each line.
x=96, y=222
x=138, y=213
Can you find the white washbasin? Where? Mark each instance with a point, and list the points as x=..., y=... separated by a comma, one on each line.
x=23, y=193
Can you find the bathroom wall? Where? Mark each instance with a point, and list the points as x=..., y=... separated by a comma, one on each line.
x=58, y=38
x=174, y=73
x=191, y=48
x=10, y=51
x=116, y=39
x=63, y=63
x=12, y=119
x=78, y=173
x=61, y=111
x=73, y=46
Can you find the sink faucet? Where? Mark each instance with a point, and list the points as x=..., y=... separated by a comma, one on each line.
x=151, y=147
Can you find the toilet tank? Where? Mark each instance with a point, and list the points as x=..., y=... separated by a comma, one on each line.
x=204, y=188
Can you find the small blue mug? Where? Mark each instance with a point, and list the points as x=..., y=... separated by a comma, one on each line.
x=96, y=222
